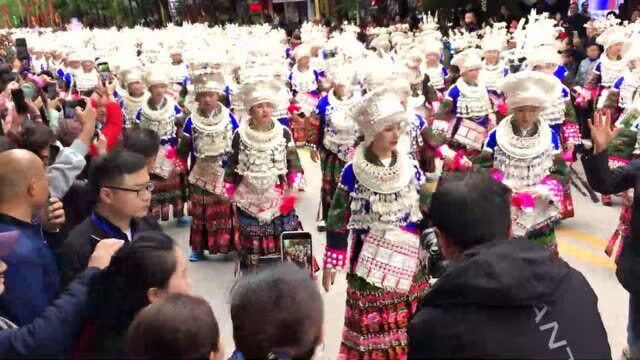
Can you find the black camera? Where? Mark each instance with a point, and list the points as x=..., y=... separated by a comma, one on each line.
x=436, y=263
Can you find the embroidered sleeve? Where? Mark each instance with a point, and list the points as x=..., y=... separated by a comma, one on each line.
x=434, y=137
x=234, y=122
x=294, y=166
x=335, y=255
x=315, y=128
x=618, y=83
x=184, y=140
x=230, y=175
x=227, y=97
x=561, y=72
x=569, y=112
x=611, y=97
x=426, y=194
x=484, y=160
x=445, y=110
x=560, y=171
x=593, y=79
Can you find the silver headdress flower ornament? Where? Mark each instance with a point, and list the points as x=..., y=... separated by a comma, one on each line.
x=156, y=75
x=603, y=25
x=468, y=59
x=611, y=36
x=495, y=37
x=461, y=40
x=429, y=22
x=205, y=79
x=377, y=111
x=259, y=92
x=529, y=88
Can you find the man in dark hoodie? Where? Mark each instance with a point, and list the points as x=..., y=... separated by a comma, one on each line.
x=500, y=298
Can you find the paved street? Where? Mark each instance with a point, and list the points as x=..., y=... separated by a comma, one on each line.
x=581, y=243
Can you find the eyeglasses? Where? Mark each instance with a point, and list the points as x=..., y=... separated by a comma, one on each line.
x=139, y=192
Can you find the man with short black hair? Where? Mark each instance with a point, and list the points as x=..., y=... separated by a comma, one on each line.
x=120, y=187
x=143, y=141
x=500, y=298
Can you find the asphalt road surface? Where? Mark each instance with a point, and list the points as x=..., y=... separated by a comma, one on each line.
x=581, y=243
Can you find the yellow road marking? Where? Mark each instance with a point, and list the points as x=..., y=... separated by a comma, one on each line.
x=586, y=255
x=582, y=236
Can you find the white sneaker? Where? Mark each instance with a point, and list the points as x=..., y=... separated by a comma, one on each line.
x=322, y=226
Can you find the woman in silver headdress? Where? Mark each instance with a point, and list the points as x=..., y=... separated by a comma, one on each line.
x=262, y=176
x=207, y=133
x=378, y=205
x=525, y=153
x=159, y=112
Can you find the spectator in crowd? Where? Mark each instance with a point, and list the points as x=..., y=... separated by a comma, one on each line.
x=576, y=21
x=120, y=189
x=51, y=334
x=606, y=181
x=32, y=280
x=505, y=15
x=584, y=9
x=470, y=21
x=69, y=163
x=77, y=201
x=178, y=327
x=541, y=6
x=593, y=51
x=109, y=115
x=570, y=62
x=635, y=15
x=143, y=141
x=290, y=311
x=500, y=298
x=141, y=273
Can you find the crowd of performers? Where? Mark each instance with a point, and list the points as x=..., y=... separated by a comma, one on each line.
x=386, y=121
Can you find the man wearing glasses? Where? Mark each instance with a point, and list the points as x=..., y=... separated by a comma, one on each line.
x=120, y=189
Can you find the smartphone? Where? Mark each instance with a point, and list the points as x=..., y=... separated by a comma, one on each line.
x=297, y=248
x=17, y=95
x=103, y=67
x=104, y=71
x=22, y=51
x=69, y=107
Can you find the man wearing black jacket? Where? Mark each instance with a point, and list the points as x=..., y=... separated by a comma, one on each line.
x=51, y=334
x=614, y=181
x=500, y=298
x=120, y=186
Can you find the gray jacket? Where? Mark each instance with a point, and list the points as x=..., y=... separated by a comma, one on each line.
x=586, y=67
x=69, y=164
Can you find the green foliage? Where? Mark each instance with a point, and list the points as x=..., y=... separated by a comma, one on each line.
x=346, y=8
x=125, y=12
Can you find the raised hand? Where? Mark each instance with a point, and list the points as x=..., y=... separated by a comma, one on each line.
x=601, y=133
